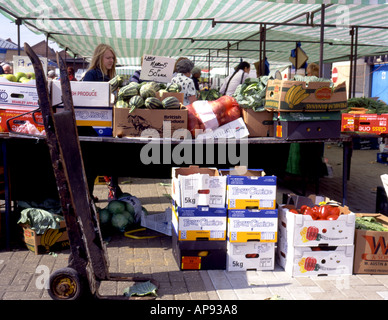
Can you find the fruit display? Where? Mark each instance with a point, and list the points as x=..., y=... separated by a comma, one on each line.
x=20, y=77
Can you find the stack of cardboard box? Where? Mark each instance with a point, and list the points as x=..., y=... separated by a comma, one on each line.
x=308, y=247
x=199, y=218
x=252, y=219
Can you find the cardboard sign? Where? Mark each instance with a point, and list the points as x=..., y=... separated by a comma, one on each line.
x=24, y=64
x=155, y=68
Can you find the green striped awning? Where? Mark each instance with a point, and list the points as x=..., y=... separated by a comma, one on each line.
x=212, y=31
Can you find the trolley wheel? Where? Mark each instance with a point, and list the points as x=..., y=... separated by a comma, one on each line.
x=66, y=284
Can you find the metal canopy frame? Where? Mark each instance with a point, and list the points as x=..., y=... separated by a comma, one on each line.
x=262, y=37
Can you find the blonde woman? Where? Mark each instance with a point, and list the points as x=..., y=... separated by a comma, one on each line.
x=102, y=68
x=103, y=65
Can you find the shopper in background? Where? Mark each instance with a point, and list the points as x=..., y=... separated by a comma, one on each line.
x=103, y=65
x=102, y=68
x=7, y=68
x=312, y=69
x=183, y=77
x=195, y=75
x=71, y=74
x=238, y=77
x=51, y=75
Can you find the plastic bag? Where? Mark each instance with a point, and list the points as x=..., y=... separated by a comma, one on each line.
x=203, y=115
x=29, y=128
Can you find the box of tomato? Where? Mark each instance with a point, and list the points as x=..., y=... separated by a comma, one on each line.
x=315, y=221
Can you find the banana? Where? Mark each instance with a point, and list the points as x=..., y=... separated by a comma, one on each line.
x=50, y=237
x=289, y=94
x=295, y=95
x=298, y=95
x=302, y=97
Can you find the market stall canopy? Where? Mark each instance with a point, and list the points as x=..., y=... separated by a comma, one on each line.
x=225, y=30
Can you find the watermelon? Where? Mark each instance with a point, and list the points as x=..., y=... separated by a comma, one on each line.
x=116, y=206
x=104, y=215
x=119, y=221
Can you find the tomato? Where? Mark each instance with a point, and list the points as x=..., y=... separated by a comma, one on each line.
x=294, y=211
x=332, y=217
x=324, y=212
x=310, y=212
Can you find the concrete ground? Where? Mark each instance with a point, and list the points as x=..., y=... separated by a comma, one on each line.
x=22, y=272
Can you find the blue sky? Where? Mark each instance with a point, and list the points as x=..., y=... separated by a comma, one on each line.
x=9, y=30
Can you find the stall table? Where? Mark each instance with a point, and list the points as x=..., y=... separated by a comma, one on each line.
x=29, y=174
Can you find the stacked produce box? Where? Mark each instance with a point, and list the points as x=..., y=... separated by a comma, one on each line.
x=199, y=218
x=316, y=237
x=18, y=100
x=307, y=108
x=252, y=219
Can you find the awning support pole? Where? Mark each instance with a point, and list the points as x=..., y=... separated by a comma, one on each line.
x=355, y=62
x=322, y=36
x=351, y=63
x=18, y=22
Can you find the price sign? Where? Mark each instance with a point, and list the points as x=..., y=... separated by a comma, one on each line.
x=156, y=68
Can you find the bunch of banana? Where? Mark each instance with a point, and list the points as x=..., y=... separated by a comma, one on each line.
x=50, y=237
x=295, y=95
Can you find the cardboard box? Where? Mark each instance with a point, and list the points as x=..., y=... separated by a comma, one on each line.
x=157, y=123
x=249, y=188
x=252, y=225
x=199, y=255
x=315, y=261
x=34, y=241
x=368, y=123
x=160, y=222
x=252, y=255
x=85, y=93
x=197, y=224
x=302, y=130
x=92, y=117
x=8, y=112
x=259, y=124
x=18, y=94
x=302, y=230
x=319, y=96
x=371, y=248
x=189, y=182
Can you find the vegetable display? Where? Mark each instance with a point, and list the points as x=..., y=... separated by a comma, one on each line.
x=369, y=223
x=364, y=105
x=145, y=95
x=320, y=212
x=251, y=94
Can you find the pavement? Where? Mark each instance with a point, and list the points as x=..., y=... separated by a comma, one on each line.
x=22, y=273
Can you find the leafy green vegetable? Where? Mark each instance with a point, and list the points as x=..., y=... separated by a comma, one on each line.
x=369, y=223
x=373, y=106
x=141, y=289
x=251, y=93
